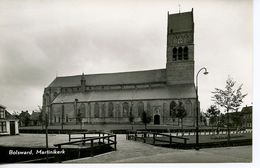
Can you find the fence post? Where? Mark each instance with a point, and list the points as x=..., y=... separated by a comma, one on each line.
x=69, y=136
x=59, y=156
x=153, y=138
x=115, y=142
x=135, y=136
x=170, y=141
x=92, y=146
x=144, y=137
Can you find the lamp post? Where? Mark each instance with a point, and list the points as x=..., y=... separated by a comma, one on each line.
x=62, y=114
x=197, y=107
x=76, y=110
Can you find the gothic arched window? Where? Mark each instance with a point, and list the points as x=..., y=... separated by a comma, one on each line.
x=125, y=109
x=174, y=54
x=96, y=110
x=110, y=110
x=82, y=109
x=140, y=108
x=180, y=53
x=173, y=108
x=148, y=107
x=117, y=110
x=103, y=110
x=185, y=53
x=188, y=105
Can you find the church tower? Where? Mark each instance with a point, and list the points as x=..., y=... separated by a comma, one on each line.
x=180, y=48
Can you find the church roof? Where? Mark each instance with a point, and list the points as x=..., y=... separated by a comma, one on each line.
x=168, y=92
x=181, y=22
x=150, y=76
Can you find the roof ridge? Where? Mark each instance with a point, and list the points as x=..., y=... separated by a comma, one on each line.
x=108, y=73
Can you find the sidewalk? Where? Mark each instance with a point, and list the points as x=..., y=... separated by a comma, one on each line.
x=137, y=152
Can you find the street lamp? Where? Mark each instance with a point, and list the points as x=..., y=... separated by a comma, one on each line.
x=197, y=107
x=62, y=114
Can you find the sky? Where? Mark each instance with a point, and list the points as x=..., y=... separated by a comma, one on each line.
x=44, y=39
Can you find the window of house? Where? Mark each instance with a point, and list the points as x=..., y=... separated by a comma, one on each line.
x=2, y=113
x=3, y=126
x=174, y=54
x=180, y=53
x=185, y=53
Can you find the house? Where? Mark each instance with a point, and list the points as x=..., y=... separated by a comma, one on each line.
x=247, y=116
x=8, y=123
x=24, y=119
x=35, y=118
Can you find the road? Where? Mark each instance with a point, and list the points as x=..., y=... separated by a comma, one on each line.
x=138, y=152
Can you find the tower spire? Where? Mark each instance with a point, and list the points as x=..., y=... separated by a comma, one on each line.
x=179, y=8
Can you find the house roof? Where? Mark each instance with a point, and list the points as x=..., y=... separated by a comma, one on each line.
x=247, y=109
x=158, y=75
x=181, y=22
x=2, y=106
x=9, y=116
x=168, y=92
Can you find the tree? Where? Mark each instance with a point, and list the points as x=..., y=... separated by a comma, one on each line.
x=24, y=118
x=146, y=119
x=212, y=114
x=79, y=118
x=181, y=113
x=229, y=99
x=41, y=117
x=173, y=115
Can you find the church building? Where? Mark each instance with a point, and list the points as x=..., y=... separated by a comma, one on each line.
x=113, y=97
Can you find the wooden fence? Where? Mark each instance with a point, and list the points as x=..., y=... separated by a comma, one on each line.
x=153, y=137
x=104, y=139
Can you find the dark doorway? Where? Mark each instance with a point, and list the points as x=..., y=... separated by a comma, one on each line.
x=157, y=120
x=12, y=128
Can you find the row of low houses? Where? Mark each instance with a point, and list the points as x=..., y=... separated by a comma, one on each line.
x=244, y=117
x=239, y=119
x=8, y=122
x=27, y=119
